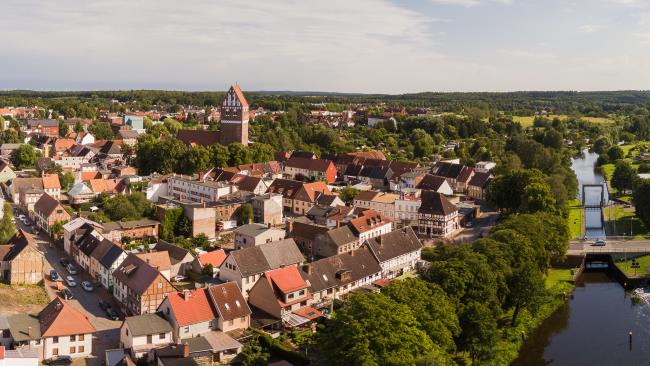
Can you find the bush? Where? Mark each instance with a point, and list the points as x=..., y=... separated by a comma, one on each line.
x=279, y=350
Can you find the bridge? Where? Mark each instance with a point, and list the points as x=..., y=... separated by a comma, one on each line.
x=601, y=203
x=614, y=245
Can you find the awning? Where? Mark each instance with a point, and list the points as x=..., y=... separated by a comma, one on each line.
x=302, y=316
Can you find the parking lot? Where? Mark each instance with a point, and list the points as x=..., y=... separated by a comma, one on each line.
x=107, y=335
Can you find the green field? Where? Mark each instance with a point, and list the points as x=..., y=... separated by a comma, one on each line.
x=575, y=218
x=557, y=275
x=626, y=266
x=619, y=221
x=527, y=121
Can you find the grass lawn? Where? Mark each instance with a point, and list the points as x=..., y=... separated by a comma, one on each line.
x=619, y=221
x=557, y=275
x=626, y=266
x=575, y=218
x=527, y=121
x=22, y=299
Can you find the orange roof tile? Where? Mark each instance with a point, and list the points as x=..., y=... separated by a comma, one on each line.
x=191, y=307
x=287, y=279
x=51, y=181
x=158, y=260
x=215, y=258
x=90, y=175
x=240, y=96
x=60, y=319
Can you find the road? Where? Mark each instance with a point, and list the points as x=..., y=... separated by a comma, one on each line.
x=107, y=335
x=480, y=227
x=612, y=246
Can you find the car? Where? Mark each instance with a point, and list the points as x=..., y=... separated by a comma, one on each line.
x=54, y=276
x=21, y=217
x=104, y=305
x=87, y=286
x=112, y=314
x=71, y=269
x=59, y=360
x=64, y=262
x=469, y=224
x=67, y=294
x=70, y=281
x=600, y=243
x=178, y=278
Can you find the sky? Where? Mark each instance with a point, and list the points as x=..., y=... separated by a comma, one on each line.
x=359, y=46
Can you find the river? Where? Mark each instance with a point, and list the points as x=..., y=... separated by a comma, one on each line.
x=592, y=327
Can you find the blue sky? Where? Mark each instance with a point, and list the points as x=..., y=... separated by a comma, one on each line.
x=385, y=46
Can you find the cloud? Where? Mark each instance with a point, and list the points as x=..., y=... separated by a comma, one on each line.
x=533, y=55
x=588, y=28
x=470, y=3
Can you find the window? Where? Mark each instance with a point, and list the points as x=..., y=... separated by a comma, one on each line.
x=81, y=349
x=302, y=292
x=73, y=350
x=55, y=339
x=187, y=329
x=73, y=338
x=55, y=351
x=149, y=339
x=161, y=336
x=6, y=333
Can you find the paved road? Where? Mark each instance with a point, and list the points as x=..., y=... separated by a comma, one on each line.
x=612, y=246
x=107, y=335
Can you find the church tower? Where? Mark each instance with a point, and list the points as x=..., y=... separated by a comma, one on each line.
x=234, y=118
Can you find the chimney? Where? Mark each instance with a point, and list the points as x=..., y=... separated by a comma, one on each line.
x=186, y=350
x=381, y=240
x=338, y=223
x=352, y=253
x=29, y=331
x=289, y=226
x=186, y=294
x=307, y=268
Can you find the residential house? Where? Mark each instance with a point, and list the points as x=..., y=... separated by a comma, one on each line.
x=8, y=149
x=298, y=197
x=437, y=215
x=256, y=234
x=214, y=258
x=139, y=287
x=104, y=261
x=484, y=166
x=183, y=188
x=26, y=191
x=397, y=252
x=406, y=209
x=140, y=334
x=47, y=127
x=231, y=308
x=69, y=230
x=129, y=137
x=383, y=203
x=477, y=186
x=6, y=173
x=378, y=177
x=457, y=175
x=280, y=292
x=51, y=185
x=309, y=169
x=436, y=183
x=267, y=209
x=336, y=241
x=305, y=235
x=370, y=224
x=246, y=183
x=135, y=229
x=158, y=260
x=80, y=193
x=59, y=329
x=74, y=157
x=21, y=263
x=181, y=259
x=47, y=212
x=246, y=266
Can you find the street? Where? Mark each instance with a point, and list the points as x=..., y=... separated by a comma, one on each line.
x=107, y=335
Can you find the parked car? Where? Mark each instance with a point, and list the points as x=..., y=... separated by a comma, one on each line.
x=21, y=217
x=104, y=305
x=58, y=360
x=71, y=269
x=178, y=278
x=112, y=314
x=469, y=224
x=600, y=243
x=87, y=286
x=64, y=262
x=54, y=276
x=70, y=281
x=67, y=294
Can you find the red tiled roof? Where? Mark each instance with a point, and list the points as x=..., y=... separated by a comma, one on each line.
x=368, y=220
x=240, y=96
x=60, y=319
x=308, y=312
x=286, y=279
x=51, y=181
x=215, y=258
x=191, y=307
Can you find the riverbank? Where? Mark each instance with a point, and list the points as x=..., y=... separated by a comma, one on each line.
x=576, y=218
x=559, y=287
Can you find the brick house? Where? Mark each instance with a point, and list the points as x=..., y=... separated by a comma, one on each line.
x=135, y=229
x=48, y=211
x=312, y=169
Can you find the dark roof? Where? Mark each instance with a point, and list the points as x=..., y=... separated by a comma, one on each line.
x=88, y=243
x=46, y=204
x=318, y=165
x=448, y=170
x=325, y=273
x=376, y=172
x=394, y=244
x=176, y=253
x=303, y=154
x=229, y=301
x=111, y=256
x=366, y=195
x=341, y=236
x=480, y=179
x=20, y=324
x=136, y=274
x=196, y=344
x=42, y=122
x=431, y=182
x=111, y=148
x=326, y=199
x=436, y=203
x=16, y=244
x=140, y=325
x=286, y=187
x=247, y=183
x=267, y=256
x=198, y=137
x=465, y=174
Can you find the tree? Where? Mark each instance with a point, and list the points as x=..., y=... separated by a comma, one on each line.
x=601, y=145
x=521, y=191
x=239, y=154
x=219, y=155
x=207, y=270
x=261, y=153
x=347, y=194
x=372, y=329
x=615, y=153
x=66, y=179
x=7, y=228
x=479, y=333
x=537, y=197
x=526, y=288
x=200, y=241
x=63, y=129
x=623, y=176
x=553, y=139
x=431, y=307
x=246, y=213
x=57, y=229
x=641, y=199
x=169, y=223
x=132, y=206
x=253, y=354
x=422, y=143
x=24, y=157
x=101, y=130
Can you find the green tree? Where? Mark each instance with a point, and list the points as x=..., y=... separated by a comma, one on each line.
x=66, y=179
x=372, y=329
x=207, y=270
x=641, y=199
x=615, y=153
x=537, y=197
x=245, y=213
x=101, y=130
x=7, y=228
x=347, y=194
x=63, y=129
x=219, y=155
x=24, y=157
x=422, y=143
x=253, y=354
x=261, y=153
x=623, y=176
x=169, y=223
x=200, y=241
x=239, y=154
x=479, y=333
